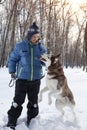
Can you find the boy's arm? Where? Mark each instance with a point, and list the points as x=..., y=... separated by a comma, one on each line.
x=13, y=59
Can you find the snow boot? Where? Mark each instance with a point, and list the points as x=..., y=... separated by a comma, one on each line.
x=11, y=122
x=12, y=127
x=28, y=122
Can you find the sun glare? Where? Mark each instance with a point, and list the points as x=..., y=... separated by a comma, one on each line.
x=76, y=4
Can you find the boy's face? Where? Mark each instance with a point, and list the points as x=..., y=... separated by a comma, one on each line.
x=35, y=38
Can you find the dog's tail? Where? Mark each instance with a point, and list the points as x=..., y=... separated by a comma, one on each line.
x=67, y=93
x=71, y=98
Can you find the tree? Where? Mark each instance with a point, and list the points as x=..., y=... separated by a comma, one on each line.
x=6, y=34
x=56, y=20
x=2, y=1
x=85, y=41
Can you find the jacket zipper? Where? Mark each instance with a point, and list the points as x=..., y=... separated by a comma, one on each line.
x=20, y=71
x=31, y=77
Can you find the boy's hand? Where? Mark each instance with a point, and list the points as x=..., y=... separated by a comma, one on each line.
x=13, y=76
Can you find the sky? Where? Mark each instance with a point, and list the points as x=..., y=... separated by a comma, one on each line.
x=49, y=117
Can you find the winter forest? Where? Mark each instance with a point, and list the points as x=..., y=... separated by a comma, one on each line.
x=63, y=26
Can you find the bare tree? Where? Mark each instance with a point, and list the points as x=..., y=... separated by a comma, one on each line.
x=2, y=60
x=55, y=19
x=80, y=28
x=2, y=1
x=85, y=41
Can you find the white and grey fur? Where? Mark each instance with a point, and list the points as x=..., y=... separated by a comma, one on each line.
x=56, y=83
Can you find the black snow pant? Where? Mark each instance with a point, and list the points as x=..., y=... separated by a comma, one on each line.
x=23, y=88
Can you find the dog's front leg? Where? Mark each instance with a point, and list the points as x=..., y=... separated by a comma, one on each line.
x=74, y=114
x=50, y=94
x=50, y=97
x=41, y=92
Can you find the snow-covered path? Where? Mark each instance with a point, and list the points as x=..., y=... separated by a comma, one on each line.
x=49, y=118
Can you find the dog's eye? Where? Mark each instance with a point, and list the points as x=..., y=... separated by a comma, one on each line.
x=54, y=63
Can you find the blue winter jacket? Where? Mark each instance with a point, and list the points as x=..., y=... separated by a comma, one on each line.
x=25, y=60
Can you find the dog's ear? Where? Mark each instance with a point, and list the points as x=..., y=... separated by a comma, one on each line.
x=59, y=55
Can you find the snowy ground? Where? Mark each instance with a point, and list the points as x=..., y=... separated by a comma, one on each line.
x=49, y=118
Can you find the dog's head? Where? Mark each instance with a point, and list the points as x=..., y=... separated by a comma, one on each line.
x=52, y=61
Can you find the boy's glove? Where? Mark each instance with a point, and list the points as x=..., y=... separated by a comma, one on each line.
x=13, y=79
x=13, y=76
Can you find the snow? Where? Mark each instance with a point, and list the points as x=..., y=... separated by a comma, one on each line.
x=49, y=117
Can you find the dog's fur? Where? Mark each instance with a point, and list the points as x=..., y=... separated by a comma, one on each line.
x=56, y=83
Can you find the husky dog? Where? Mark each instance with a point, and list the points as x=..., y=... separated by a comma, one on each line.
x=56, y=83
